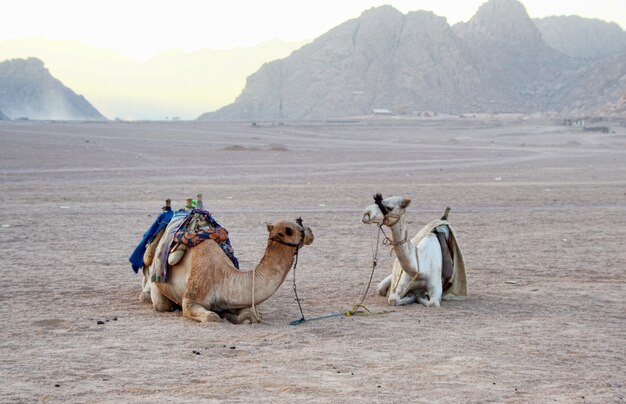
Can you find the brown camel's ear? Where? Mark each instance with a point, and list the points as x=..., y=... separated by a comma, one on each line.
x=270, y=227
x=405, y=202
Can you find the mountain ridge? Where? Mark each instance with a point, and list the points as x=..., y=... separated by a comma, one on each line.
x=498, y=61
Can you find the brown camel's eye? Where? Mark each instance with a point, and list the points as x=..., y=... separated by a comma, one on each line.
x=289, y=231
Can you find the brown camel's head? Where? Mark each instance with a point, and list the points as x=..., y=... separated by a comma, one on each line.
x=385, y=211
x=288, y=232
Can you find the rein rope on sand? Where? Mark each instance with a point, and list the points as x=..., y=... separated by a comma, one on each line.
x=355, y=308
x=360, y=305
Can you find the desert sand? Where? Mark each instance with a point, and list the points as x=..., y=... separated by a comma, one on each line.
x=539, y=210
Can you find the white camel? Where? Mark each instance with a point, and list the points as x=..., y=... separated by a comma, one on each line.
x=419, y=271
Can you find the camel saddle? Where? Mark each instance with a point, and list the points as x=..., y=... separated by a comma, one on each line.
x=447, y=257
x=188, y=229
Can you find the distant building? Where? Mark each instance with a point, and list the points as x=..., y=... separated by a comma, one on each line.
x=381, y=111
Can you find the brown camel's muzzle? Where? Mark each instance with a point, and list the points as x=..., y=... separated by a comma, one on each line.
x=308, y=236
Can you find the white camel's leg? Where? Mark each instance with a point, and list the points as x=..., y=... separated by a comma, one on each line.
x=240, y=316
x=144, y=295
x=383, y=286
x=159, y=301
x=434, y=293
x=397, y=301
x=401, y=296
x=198, y=312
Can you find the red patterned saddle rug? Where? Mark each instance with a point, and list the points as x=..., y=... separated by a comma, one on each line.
x=193, y=238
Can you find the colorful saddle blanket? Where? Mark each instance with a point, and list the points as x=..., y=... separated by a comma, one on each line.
x=193, y=238
x=181, y=230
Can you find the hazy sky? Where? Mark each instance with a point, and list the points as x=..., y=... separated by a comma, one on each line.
x=141, y=28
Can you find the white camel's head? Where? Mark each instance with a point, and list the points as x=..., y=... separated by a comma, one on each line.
x=380, y=211
x=290, y=233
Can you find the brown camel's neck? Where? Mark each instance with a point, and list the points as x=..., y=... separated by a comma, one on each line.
x=268, y=275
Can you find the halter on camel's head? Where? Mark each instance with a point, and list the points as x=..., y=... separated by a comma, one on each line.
x=297, y=245
x=378, y=199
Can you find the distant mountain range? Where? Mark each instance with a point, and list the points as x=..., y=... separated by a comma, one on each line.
x=28, y=91
x=499, y=61
x=171, y=84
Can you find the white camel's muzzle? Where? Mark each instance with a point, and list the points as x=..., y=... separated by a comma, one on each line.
x=372, y=215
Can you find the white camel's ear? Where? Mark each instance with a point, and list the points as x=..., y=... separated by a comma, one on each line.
x=270, y=227
x=405, y=202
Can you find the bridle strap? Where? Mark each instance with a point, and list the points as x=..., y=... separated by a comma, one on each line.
x=287, y=244
x=389, y=215
x=378, y=199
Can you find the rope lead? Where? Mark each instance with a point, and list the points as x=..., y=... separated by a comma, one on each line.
x=355, y=309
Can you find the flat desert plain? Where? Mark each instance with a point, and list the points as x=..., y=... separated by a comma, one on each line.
x=539, y=210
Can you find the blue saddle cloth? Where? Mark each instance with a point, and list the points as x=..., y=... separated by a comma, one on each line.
x=161, y=222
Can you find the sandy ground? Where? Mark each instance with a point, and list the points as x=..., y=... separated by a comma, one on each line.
x=540, y=212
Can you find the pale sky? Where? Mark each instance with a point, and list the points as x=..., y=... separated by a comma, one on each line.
x=142, y=28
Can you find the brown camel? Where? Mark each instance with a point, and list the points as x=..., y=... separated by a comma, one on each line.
x=207, y=285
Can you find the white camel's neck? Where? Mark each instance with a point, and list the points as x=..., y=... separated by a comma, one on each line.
x=405, y=251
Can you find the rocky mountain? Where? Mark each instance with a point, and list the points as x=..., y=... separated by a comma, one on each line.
x=509, y=51
x=383, y=59
x=496, y=62
x=27, y=90
x=582, y=37
x=3, y=117
x=597, y=88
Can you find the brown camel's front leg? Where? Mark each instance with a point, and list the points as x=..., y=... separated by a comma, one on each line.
x=198, y=312
x=198, y=285
x=160, y=302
